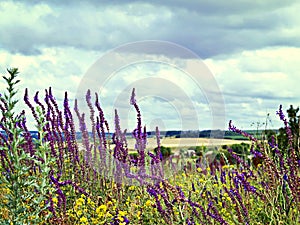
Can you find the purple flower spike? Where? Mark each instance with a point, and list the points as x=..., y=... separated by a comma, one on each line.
x=280, y=113
x=132, y=99
x=245, y=134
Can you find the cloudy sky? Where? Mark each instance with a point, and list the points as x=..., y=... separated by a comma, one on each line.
x=194, y=64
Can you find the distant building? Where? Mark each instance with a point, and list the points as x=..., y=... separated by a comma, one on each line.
x=190, y=153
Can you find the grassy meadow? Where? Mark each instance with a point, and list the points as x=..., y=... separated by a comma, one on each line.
x=57, y=180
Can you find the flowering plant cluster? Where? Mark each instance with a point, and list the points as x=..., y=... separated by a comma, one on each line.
x=59, y=179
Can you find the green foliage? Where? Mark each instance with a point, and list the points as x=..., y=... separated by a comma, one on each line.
x=293, y=122
x=269, y=134
x=200, y=150
x=26, y=187
x=165, y=151
x=240, y=149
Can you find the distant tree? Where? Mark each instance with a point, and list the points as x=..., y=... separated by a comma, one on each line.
x=294, y=122
x=282, y=139
x=200, y=150
x=268, y=134
x=165, y=151
x=241, y=149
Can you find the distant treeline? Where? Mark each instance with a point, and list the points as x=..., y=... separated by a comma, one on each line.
x=209, y=134
x=183, y=134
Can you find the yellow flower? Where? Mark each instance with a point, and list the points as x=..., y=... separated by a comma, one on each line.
x=6, y=191
x=199, y=169
x=90, y=202
x=131, y=188
x=55, y=200
x=95, y=221
x=101, y=210
x=79, y=212
x=138, y=214
x=122, y=213
x=161, y=185
x=148, y=203
x=121, y=219
x=109, y=203
x=79, y=201
x=70, y=213
x=103, y=207
x=42, y=204
x=31, y=217
x=83, y=220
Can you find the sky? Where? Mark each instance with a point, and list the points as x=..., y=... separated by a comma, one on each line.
x=194, y=64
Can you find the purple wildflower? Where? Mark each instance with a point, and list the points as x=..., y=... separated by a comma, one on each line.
x=245, y=134
x=132, y=99
x=26, y=99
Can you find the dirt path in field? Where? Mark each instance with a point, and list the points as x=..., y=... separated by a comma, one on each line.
x=187, y=142
x=182, y=142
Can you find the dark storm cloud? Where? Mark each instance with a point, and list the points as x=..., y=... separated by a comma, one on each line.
x=208, y=28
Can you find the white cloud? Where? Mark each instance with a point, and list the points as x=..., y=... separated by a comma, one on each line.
x=59, y=68
x=254, y=83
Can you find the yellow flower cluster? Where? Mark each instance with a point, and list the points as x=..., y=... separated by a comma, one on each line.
x=85, y=212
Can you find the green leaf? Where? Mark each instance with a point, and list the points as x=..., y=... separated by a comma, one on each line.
x=5, y=97
x=5, y=78
x=17, y=81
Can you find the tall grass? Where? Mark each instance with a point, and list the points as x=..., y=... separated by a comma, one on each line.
x=51, y=180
